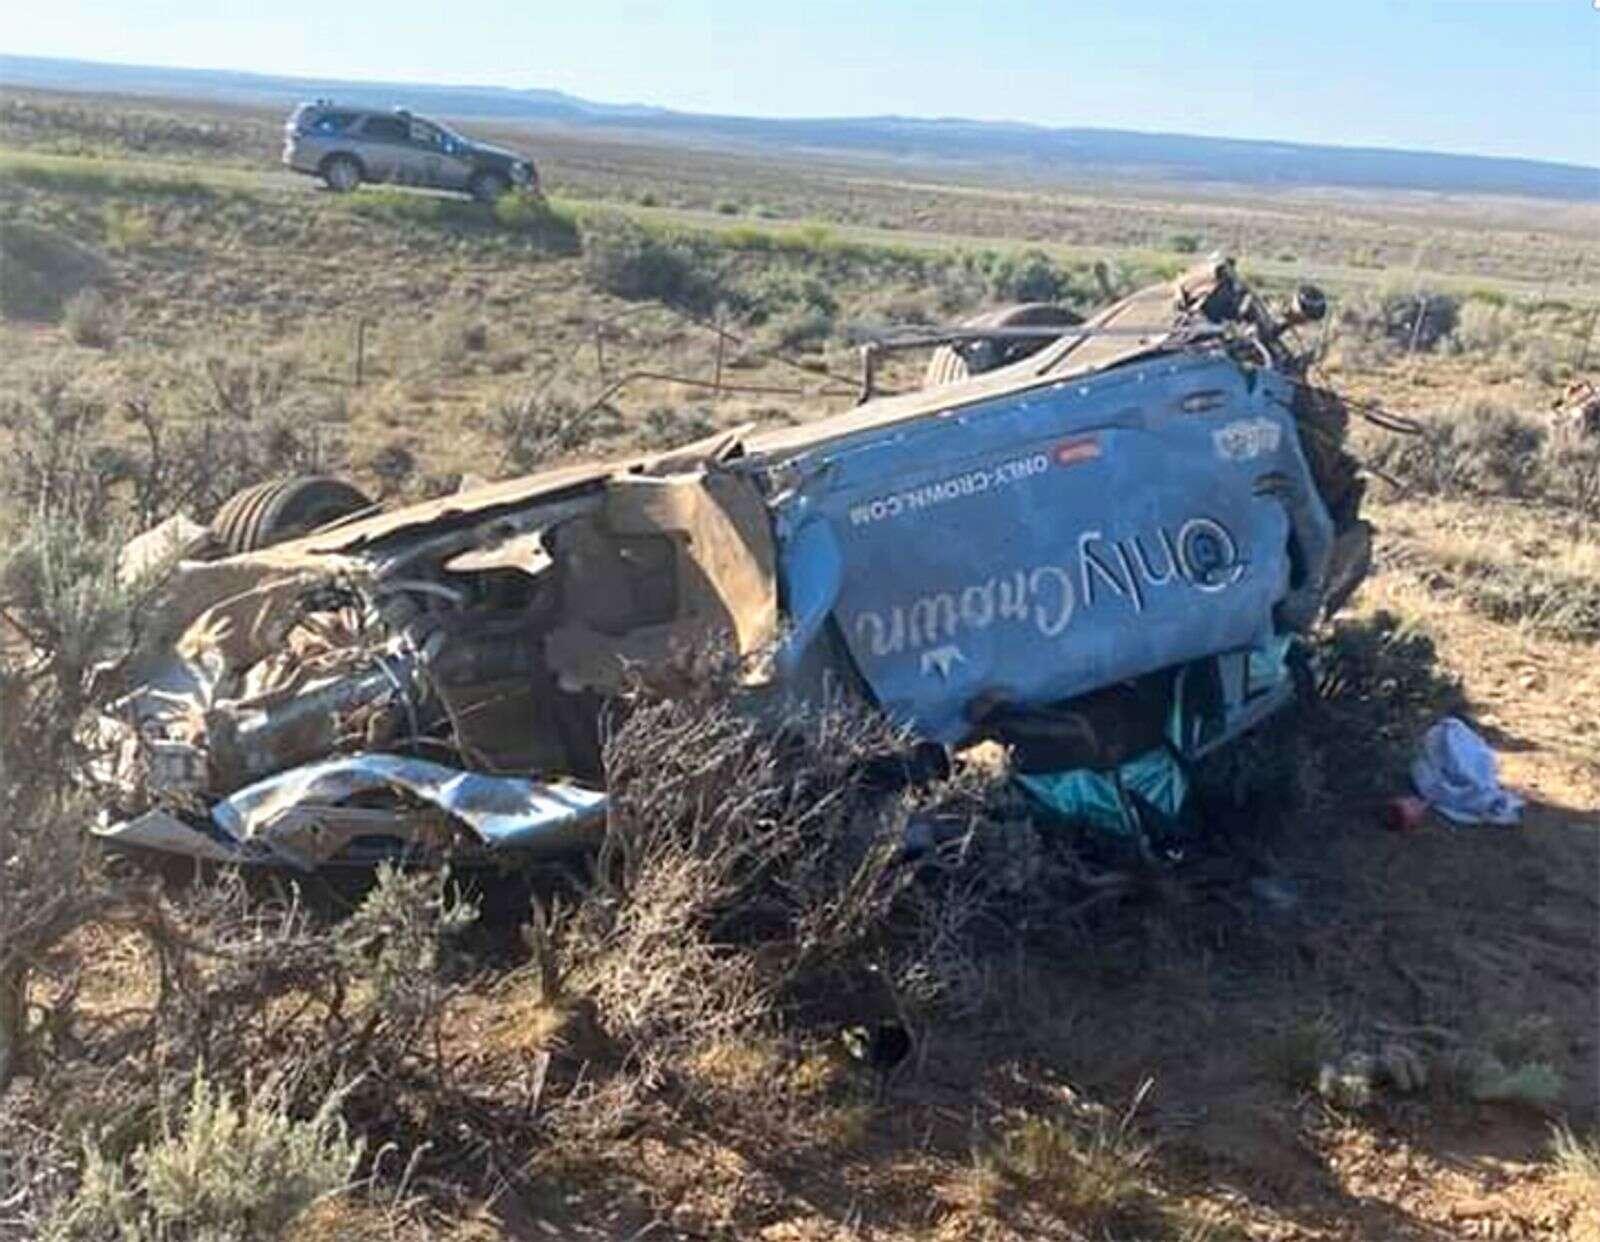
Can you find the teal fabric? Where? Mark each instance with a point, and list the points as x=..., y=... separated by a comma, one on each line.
x=1093, y=799
x=1203, y=700
x=1082, y=796
x=1269, y=663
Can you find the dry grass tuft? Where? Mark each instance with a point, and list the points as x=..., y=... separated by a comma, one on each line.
x=1295, y=1053
x=1089, y=1171
x=1577, y=1165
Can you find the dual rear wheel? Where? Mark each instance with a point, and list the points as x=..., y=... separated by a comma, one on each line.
x=283, y=509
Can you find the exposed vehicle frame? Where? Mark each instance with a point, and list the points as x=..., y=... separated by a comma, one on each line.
x=1153, y=505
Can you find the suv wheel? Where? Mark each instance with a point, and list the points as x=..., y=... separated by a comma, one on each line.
x=341, y=173
x=488, y=186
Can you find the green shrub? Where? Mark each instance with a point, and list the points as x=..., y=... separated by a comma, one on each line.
x=95, y=178
x=41, y=269
x=1416, y=319
x=128, y=227
x=1491, y=449
x=524, y=217
x=1485, y=448
x=629, y=261
x=667, y=426
x=1185, y=243
x=802, y=328
x=1484, y=326
x=528, y=216
x=774, y=290
x=89, y=319
x=1028, y=276
x=1090, y=1170
x=223, y=1171
x=399, y=939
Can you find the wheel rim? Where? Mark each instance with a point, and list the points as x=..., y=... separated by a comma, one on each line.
x=342, y=175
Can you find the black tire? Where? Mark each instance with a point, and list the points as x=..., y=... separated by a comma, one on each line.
x=237, y=517
x=950, y=364
x=342, y=173
x=283, y=509
x=488, y=186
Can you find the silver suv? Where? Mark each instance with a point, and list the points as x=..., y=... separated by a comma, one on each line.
x=346, y=146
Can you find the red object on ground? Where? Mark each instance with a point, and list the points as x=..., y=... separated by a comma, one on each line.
x=1404, y=814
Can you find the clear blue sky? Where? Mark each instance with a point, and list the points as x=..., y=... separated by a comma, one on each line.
x=1499, y=77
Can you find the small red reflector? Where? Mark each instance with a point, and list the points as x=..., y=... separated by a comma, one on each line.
x=1071, y=452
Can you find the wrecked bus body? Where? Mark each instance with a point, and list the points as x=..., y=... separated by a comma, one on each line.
x=1112, y=539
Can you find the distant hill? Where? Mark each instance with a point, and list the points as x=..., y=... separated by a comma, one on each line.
x=1040, y=150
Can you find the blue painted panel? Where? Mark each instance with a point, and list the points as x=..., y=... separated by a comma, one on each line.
x=1045, y=544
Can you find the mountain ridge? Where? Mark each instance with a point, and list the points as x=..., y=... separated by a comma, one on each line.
x=1053, y=151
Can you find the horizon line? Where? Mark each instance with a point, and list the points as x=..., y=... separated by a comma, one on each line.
x=1043, y=127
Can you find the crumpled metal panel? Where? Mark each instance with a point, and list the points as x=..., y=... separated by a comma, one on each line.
x=506, y=812
x=1050, y=542
x=304, y=817
x=160, y=830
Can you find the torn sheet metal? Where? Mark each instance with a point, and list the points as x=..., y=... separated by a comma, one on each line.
x=525, y=552
x=670, y=566
x=505, y=812
x=165, y=833
x=163, y=545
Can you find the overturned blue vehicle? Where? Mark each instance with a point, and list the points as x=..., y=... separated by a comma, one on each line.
x=1094, y=542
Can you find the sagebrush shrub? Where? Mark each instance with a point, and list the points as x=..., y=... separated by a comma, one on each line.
x=1483, y=327
x=1028, y=276
x=89, y=319
x=222, y=1170
x=544, y=424
x=533, y=218
x=1407, y=319
x=128, y=227
x=627, y=260
x=40, y=269
x=66, y=612
x=398, y=937
x=750, y=864
x=200, y=434
x=721, y=829
x=1492, y=449
x=454, y=334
